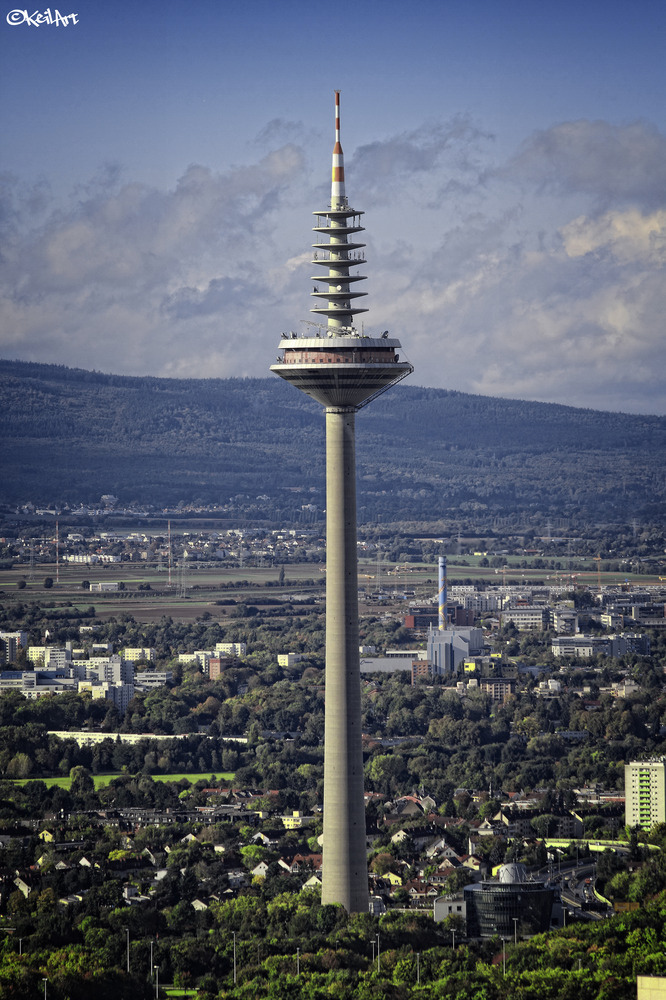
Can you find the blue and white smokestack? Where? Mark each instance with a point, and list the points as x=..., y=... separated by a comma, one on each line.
x=442, y=592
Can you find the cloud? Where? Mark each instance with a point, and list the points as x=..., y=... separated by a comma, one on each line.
x=416, y=157
x=129, y=278
x=524, y=298
x=281, y=132
x=569, y=312
x=627, y=236
x=542, y=279
x=614, y=164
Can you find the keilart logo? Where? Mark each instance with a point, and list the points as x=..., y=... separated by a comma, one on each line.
x=38, y=18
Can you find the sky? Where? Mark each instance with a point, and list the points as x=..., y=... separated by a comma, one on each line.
x=160, y=164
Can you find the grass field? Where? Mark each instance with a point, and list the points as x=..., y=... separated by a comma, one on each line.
x=101, y=780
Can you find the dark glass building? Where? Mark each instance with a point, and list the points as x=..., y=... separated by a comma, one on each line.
x=510, y=905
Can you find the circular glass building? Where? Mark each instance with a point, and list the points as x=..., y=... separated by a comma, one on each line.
x=513, y=904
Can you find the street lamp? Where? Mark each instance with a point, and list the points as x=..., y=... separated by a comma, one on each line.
x=157, y=980
x=151, y=958
x=373, y=943
x=515, y=930
x=504, y=956
x=298, y=961
x=127, y=932
x=418, y=968
x=234, y=933
x=453, y=939
x=45, y=981
x=378, y=960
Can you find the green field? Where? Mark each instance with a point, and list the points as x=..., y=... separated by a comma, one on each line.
x=101, y=780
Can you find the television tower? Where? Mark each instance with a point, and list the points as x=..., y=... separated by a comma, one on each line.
x=343, y=370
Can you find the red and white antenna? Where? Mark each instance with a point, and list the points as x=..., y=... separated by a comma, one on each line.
x=338, y=171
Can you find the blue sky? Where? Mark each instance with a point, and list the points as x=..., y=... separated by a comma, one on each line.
x=160, y=164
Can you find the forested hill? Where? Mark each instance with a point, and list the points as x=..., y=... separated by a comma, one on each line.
x=70, y=435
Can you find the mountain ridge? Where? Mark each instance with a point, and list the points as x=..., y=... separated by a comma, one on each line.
x=70, y=435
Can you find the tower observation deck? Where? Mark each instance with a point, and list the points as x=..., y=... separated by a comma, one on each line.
x=339, y=366
x=343, y=370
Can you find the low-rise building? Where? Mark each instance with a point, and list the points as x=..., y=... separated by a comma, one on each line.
x=449, y=906
x=136, y=653
x=529, y=618
x=289, y=659
x=584, y=646
x=231, y=648
x=147, y=680
x=499, y=688
x=564, y=621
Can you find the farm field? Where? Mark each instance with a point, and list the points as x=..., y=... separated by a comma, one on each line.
x=186, y=600
x=207, y=588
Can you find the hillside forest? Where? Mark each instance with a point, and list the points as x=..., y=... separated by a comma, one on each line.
x=257, y=446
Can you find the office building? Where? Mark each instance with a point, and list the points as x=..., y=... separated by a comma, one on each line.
x=510, y=906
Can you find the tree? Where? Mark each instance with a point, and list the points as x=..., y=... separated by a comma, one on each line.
x=82, y=785
x=382, y=863
x=634, y=849
x=19, y=766
x=48, y=582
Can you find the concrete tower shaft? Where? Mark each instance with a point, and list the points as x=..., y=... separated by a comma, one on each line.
x=345, y=862
x=343, y=370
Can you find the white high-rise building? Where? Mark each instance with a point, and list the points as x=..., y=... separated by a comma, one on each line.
x=645, y=792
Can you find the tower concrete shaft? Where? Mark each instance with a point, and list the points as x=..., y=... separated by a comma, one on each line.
x=345, y=868
x=343, y=370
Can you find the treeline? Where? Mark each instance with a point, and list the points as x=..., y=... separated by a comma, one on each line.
x=423, y=453
x=448, y=743
x=291, y=946
x=30, y=750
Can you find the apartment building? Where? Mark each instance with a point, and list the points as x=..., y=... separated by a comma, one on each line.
x=645, y=792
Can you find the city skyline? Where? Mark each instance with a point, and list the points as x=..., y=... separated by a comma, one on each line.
x=160, y=166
